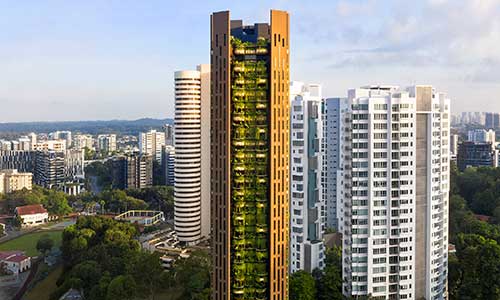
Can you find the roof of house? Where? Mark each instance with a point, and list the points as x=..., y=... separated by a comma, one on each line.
x=13, y=256
x=5, y=254
x=30, y=209
x=17, y=258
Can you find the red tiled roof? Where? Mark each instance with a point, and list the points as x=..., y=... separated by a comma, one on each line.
x=483, y=218
x=5, y=254
x=17, y=258
x=30, y=209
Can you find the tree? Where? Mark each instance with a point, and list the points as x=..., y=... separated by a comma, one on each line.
x=477, y=274
x=158, y=173
x=147, y=272
x=17, y=222
x=302, y=286
x=44, y=244
x=122, y=287
x=329, y=280
x=56, y=203
x=193, y=274
x=156, y=197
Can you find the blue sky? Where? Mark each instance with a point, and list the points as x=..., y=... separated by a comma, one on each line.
x=97, y=59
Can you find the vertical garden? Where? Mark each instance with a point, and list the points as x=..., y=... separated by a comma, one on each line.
x=249, y=169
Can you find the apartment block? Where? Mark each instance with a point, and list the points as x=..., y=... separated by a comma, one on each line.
x=192, y=154
x=168, y=161
x=307, y=205
x=49, y=169
x=132, y=171
x=150, y=143
x=395, y=181
x=106, y=143
x=12, y=180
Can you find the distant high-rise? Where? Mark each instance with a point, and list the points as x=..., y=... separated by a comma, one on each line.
x=62, y=135
x=82, y=141
x=106, y=143
x=169, y=134
x=476, y=154
x=307, y=206
x=482, y=136
x=23, y=161
x=132, y=171
x=394, y=188
x=168, y=167
x=454, y=144
x=250, y=157
x=74, y=162
x=49, y=169
x=192, y=154
x=151, y=142
x=51, y=145
x=334, y=113
x=492, y=120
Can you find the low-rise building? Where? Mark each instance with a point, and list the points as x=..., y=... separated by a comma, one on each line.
x=15, y=261
x=32, y=215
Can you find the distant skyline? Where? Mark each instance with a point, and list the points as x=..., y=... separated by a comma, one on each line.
x=102, y=60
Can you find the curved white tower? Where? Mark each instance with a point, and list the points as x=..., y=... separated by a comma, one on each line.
x=187, y=188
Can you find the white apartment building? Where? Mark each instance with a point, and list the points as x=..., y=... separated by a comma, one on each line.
x=454, y=144
x=74, y=164
x=482, y=136
x=52, y=145
x=335, y=117
x=106, y=143
x=151, y=142
x=24, y=143
x=12, y=180
x=82, y=141
x=192, y=154
x=62, y=135
x=307, y=206
x=169, y=164
x=394, y=192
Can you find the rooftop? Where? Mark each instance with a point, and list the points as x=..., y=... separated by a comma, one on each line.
x=30, y=209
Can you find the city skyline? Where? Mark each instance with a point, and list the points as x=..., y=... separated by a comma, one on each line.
x=113, y=61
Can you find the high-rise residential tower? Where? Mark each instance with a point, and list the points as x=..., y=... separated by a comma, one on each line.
x=307, y=206
x=168, y=164
x=192, y=154
x=394, y=187
x=334, y=112
x=106, y=143
x=151, y=142
x=169, y=134
x=250, y=157
x=132, y=171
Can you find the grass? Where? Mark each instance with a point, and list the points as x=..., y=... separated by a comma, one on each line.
x=28, y=242
x=44, y=288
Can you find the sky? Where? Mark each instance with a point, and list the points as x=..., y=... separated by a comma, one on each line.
x=115, y=59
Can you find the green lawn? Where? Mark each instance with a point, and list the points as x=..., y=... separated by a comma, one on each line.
x=28, y=242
